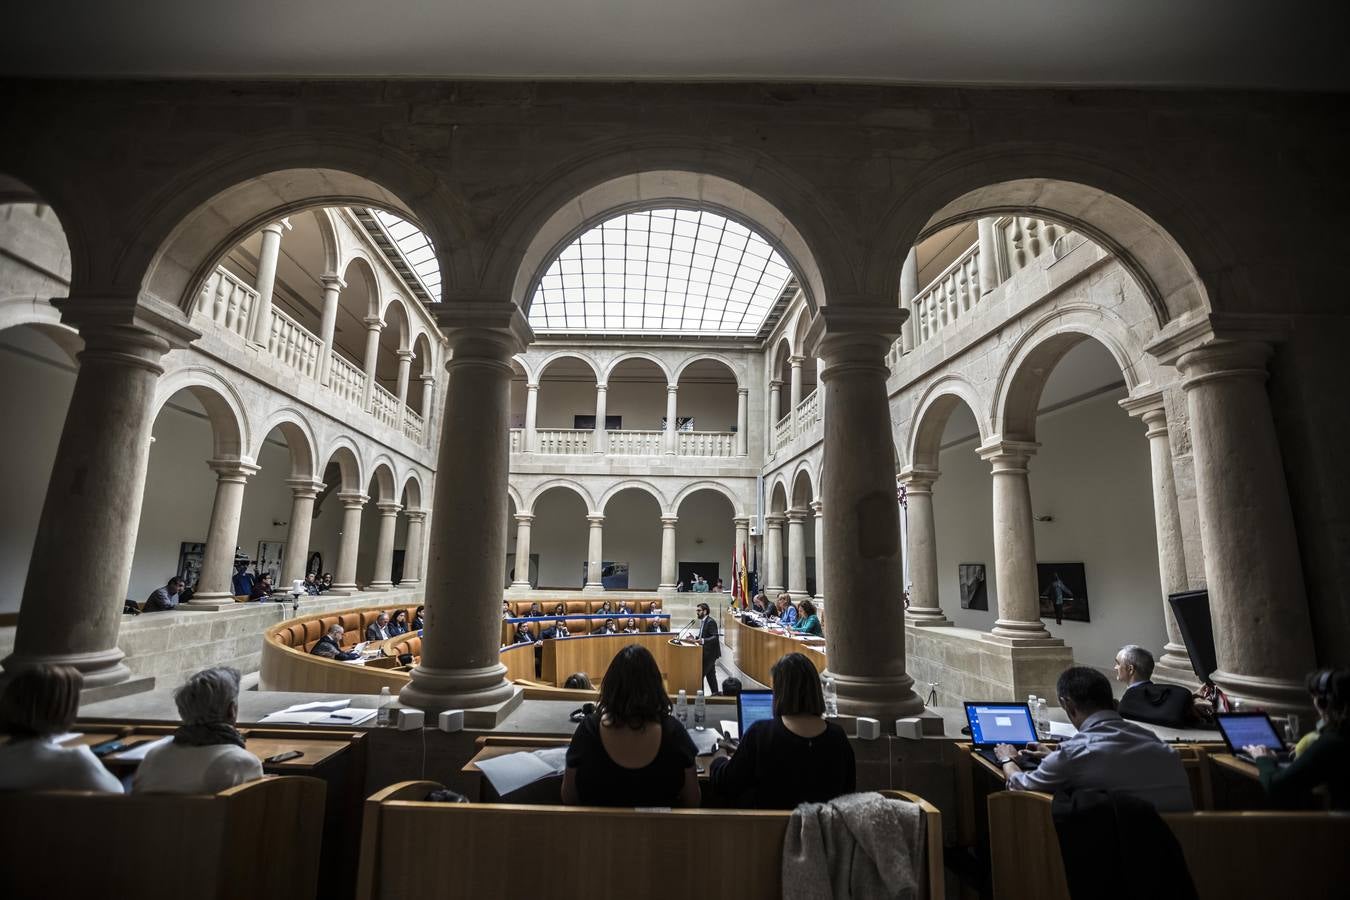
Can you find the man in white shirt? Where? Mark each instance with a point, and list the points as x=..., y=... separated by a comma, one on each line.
x=1108, y=753
x=206, y=754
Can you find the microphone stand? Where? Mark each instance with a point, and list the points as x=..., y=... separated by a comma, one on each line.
x=679, y=637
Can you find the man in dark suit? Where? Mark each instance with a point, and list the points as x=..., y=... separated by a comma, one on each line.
x=557, y=630
x=1144, y=701
x=712, y=645
x=330, y=646
x=379, y=629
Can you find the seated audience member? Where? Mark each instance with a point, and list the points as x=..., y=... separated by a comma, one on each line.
x=330, y=646
x=326, y=583
x=560, y=610
x=631, y=751
x=609, y=627
x=522, y=635
x=418, y=623
x=787, y=613
x=262, y=588
x=578, y=681
x=312, y=584
x=1144, y=701
x=1106, y=754
x=717, y=588
x=631, y=627
x=399, y=624
x=606, y=609
x=624, y=609
x=38, y=705
x=166, y=597
x=379, y=629
x=207, y=753
x=1325, y=760
x=506, y=610
x=243, y=581
x=795, y=757
x=557, y=630
x=657, y=625
x=808, y=622
x=535, y=612
x=760, y=604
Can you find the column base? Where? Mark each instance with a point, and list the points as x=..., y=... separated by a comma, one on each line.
x=1273, y=695
x=209, y=603
x=593, y=588
x=380, y=586
x=520, y=587
x=1017, y=630
x=886, y=698
x=342, y=590
x=100, y=668
x=408, y=583
x=1185, y=677
x=773, y=591
x=926, y=618
x=798, y=595
x=136, y=684
x=666, y=587
x=433, y=690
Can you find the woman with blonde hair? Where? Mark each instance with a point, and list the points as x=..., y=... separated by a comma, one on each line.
x=39, y=704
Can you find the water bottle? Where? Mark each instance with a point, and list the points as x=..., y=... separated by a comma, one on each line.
x=831, y=697
x=384, y=717
x=1031, y=703
x=1042, y=719
x=700, y=710
x=682, y=708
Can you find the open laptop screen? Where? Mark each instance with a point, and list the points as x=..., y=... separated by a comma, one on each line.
x=1000, y=723
x=1244, y=729
x=751, y=706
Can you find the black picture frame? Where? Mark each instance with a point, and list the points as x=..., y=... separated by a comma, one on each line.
x=1072, y=593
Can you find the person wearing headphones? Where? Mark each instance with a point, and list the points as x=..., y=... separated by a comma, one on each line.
x=1324, y=761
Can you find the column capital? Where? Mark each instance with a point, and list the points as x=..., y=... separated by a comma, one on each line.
x=232, y=469
x=415, y=514
x=305, y=487
x=278, y=226
x=743, y=391
x=484, y=330
x=596, y=519
x=669, y=521
x=917, y=479
x=796, y=515
x=855, y=334
x=353, y=499
x=1187, y=335
x=740, y=521
x=1143, y=401
x=1224, y=361
x=388, y=507
x=1007, y=456
x=796, y=361
x=672, y=389
x=427, y=378
x=774, y=520
x=374, y=323
x=775, y=383
x=817, y=506
x=532, y=386
x=409, y=355
x=524, y=518
x=332, y=282
x=601, y=386
x=131, y=329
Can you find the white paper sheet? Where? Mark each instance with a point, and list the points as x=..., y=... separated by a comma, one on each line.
x=731, y=728
x=135, y=754
x=349, y=716
x=515, y=770
x=328, y=705
x=1062, y=729
x=294, y=718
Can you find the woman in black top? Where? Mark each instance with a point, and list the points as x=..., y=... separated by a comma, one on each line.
x=399, y=625
x=417, y=623
x=630, y=751
x=1325, y=761
x=795, y=757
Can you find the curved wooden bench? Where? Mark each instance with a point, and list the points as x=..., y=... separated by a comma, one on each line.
x=288, y=665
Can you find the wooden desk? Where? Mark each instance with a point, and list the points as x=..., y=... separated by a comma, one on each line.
x=757, y=649
x=681, y=665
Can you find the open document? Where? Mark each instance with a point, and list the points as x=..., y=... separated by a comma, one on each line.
x=515, y=770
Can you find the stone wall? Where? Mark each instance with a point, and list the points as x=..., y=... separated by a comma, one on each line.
x=967, y=666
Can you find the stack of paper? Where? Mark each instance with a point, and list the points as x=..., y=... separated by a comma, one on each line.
x=515, y=770
x=305, y=713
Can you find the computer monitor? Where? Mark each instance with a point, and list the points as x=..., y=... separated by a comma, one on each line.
x=999, y=723
x=751, y=706
x=1245, y=729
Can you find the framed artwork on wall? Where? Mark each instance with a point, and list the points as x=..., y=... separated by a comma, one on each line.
x=974, y=589
x=270, y=555
x=190, y=555
x=1063, y=588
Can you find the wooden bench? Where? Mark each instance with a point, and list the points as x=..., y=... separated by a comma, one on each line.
x=600, y=852
x=1230, y=854
x=254, y=841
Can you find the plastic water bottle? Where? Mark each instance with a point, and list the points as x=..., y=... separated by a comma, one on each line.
x=831, y=697
x=1031, y=703
x=384, y=717
x=682, y=708
x=700, y=710
x=1042, y=719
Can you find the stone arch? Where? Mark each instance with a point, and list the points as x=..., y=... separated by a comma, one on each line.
x=396, y=307
x=634, y=484
x=803, y=475
x=412, y=490
x=1034, y=356
x=230, y=431
x=738, y=508
x=558, y=213
x=1173, y=253
x=538, y=374
x=299, y=434
x=382, y=473
x=565, y=483
x=514, y=496
x=52, y=196
x=778, y=494
x=800, y=325
x=614, y=363
x=332, y=251
x=710, y=357
x=359, y=270
x=347, y=457
x=931, y=414
x=16, y=312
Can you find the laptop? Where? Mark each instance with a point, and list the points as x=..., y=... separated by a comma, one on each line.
x=993, y=723
x=1245, y=729
x=751, y=707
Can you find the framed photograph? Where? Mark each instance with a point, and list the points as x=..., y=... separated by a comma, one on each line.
x=190, y=555
x=974, y=589
x=1064, y=594
x=270, y=555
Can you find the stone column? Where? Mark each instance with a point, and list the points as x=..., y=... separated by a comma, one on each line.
x=428, y=395
x=797, y=553
x=816, y=507
x=988, y=255
x=374, y=325
x=598, y=441
x=742, y=421
x=412, y=552
x=382, y=576
x=460, y=668
x=795, y=387
x=1167, y=523
x=303, y=493
x=1257, y=597
x=87, y=531
x=672, y=408
x=775, y=395
x=261, y=326
x=215, y=586
x=773, y=554
x=865, y=628
x=531, y=417
x=405, y=358
x=909, y=289
x=522, y=580
x=332, y=289
x=344, y=573
x=669, y=573
x=924, y=607
x=1019, y=604
x=595, y=553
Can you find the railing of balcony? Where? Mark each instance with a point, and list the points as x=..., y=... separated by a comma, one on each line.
x=952, y=293
x=346, y=380
x=808, y=411
x=565, y=441
x=384, y=406
x=293, y=345
x=228, y=302
x=414, y=427
x=782, y=431
x=706, y=443
x=517, y=440
x=636, y=443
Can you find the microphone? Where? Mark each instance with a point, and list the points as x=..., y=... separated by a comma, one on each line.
x=679, y=635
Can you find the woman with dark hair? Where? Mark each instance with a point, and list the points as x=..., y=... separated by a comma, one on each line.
x=559, y=610
x=1324, y=761
x=39, y=705
x=399, y=624
x=631, y=751
x=795, y=757
x=809, y=621
x=417, y=623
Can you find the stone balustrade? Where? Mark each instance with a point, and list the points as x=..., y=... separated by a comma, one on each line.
x=782, y=431
x=228, y=302
x=414, y=426
x=564, y=441
x=346, y=380
x=579, y=441
x=384, y=406
x=636, y=443
x=808, y=412
x=706, y=443
x=951, y=294
x=517, y=440
x=294, y=346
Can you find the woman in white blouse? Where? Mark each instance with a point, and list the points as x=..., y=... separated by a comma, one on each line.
x=39, y=704
x=207, y=753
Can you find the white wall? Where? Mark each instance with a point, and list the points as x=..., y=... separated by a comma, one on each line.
x=641, y=404
x=559, y=535
x=705, y=532
x=1092, y=475
x=633, y=535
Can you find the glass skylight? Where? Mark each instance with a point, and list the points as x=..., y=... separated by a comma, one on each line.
x=661, y=271
x=415, y=248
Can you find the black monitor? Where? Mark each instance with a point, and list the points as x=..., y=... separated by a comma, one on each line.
x=1191, y=609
